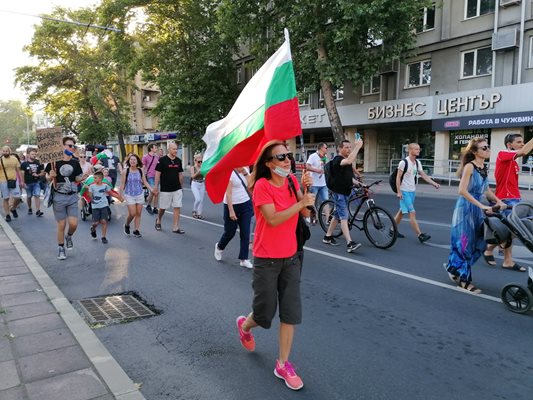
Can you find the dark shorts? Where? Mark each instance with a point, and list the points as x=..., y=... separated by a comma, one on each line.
x=277, y=280
x=100, y=214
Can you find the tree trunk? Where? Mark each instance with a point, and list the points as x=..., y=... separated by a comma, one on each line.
x=331, y=107
x=120, y=136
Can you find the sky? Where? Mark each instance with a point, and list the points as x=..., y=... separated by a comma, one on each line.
x=16, y=31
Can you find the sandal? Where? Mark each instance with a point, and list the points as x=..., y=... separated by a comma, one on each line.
x=455, y=279
x=199, y=216
x=194, y=214
x=157, y=226
x=469, y=287
x=489, y=259
x=180, y=231
x=515, y=267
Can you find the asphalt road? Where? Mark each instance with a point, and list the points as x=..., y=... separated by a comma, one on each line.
x=378, y=324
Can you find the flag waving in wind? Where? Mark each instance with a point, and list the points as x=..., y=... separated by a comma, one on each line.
x=267, y=109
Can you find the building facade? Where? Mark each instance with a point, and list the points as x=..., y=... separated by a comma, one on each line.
x=471, y=74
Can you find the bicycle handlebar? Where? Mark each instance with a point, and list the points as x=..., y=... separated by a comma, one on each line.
x=372, y=184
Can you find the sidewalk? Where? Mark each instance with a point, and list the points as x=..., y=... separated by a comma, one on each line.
x=47, y=351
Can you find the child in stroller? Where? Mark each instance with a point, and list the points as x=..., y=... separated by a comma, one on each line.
x=500, y=230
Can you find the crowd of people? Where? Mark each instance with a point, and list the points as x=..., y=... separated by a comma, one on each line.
x=265, y=198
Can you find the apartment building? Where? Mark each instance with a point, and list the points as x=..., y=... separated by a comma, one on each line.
x=471, y=74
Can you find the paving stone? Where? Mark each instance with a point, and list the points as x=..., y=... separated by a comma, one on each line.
x=28, y=310
x=10, y=254
x=16, y=393
x=42, y=323
x=22, y=298
x=51, y=363
x=41, y=342
x=14, y=279
x=8, y=375
x=78, y=385
x=106, y=397
x=5, y=350
x=19, y=288
x=13, y=271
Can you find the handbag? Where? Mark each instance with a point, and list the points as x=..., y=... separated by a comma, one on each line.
x=11, y=183
x=303, y=233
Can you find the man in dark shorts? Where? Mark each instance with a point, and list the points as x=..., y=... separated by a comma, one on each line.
x=65, y=174
x=33, y=170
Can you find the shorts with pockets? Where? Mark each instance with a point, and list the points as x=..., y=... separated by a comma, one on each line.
x=33, y=189
x=277, y=280
x=132, y=200
x=170, y=199
x=65, y=205
x=100, y=214
x=341, y=206
x=7, y=192
x=407, y=203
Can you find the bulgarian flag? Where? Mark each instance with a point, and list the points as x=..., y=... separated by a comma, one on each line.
x=267, y=109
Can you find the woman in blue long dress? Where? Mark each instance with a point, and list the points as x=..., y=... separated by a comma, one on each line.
x=467, y=242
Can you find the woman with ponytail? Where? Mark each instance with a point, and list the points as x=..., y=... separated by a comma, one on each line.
x=467, y=242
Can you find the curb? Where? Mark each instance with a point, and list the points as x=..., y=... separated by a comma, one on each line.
x=118, y=382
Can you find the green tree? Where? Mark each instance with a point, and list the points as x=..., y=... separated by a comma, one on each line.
x=15, y=121
x=180, y=51
x=78, y=76
x=332, y=41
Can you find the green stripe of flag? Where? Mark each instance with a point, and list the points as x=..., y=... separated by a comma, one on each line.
x=283, y=85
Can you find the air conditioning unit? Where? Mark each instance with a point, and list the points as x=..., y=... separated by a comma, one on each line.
x=507, y=3
x=505, y=39
x=390, y=68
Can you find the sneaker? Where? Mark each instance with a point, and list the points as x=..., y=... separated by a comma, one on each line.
x=39, y=213
x=68, y=242
x=127, y=230
x=30, y=211
x=352, y=246
x=93, y=232
x=330, y=240
x=8, y=218
x=247, y=338
x=149, y=209
x=155, y=210
x=15, y=213
x=288, y=374
x=61, y=255
x=246, y=264
x=137, y=234
x=423, y=237
x=218, y=252
x=104, y=240
x=399, y=235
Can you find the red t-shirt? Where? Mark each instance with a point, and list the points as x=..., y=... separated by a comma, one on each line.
x=506, y=175
x=274, y=241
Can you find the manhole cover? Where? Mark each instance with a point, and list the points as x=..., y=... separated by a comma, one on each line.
x=112, y=309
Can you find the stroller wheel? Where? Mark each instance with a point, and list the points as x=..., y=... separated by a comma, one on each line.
x=82, y=214
x=517, y=298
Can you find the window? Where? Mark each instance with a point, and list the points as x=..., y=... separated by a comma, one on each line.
x=373, y=86
x=477, y=62
x=304, y=99
x=426, y=22
x=419, y=73
x=530, y=64
x=337, y=95
x=475, y=8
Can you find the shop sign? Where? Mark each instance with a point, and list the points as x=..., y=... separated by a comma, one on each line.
x=134, y=138
x=149, y=137
x=467, y=103
x=310, y=119
x=463, y=139
x=484, y=121
x=397, y=110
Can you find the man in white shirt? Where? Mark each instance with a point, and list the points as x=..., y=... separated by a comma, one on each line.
x=315, y=164
x=407, y=188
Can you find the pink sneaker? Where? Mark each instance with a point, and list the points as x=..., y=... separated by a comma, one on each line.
x=247, y=338
x=288, y=374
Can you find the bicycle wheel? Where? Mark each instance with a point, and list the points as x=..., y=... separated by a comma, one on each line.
x=517, y=298
x=324, y=218
x=380, y=228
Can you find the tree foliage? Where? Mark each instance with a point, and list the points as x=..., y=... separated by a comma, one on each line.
x=15, y=119
x=181, y=52
x=78, y=76
x=332, y=41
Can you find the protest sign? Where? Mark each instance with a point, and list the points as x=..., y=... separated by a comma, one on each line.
x=50, y=144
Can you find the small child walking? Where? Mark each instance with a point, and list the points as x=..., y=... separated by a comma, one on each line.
x=98, y=192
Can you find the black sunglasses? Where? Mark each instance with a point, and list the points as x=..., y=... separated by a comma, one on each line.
x=70, y=145
x=484, y=148
x=199, y=161
x=281, y=157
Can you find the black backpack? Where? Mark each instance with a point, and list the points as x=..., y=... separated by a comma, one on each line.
x=392, y=177
x=328, y=172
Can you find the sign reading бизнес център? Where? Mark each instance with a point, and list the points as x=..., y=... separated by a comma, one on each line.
x=50, y=144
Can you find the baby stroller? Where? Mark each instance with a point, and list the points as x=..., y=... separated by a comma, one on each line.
x=499, y=230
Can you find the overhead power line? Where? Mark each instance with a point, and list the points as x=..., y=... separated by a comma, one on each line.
x=87, y=25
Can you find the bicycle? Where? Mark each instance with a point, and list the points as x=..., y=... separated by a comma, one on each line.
x=377, y=223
